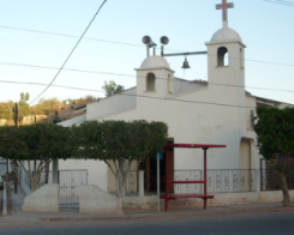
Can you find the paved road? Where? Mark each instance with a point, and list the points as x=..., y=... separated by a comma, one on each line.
x=267, y=224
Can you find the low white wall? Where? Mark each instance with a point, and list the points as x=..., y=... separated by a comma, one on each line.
x=45, y=199
x=94, y=200
x=221, y=199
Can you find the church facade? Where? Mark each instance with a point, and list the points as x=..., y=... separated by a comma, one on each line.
x=216, y=111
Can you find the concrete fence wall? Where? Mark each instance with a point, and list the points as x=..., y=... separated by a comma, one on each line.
x=221, y=199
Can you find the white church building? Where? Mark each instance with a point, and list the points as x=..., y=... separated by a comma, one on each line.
x=216, y=111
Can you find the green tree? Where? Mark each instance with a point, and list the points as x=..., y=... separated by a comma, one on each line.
x=24, y=97
x=275, y=136
x=119, y=143
x=112, y=88
x=35, y=146
x=24, y=108
x=47, y=107
x=6, y=110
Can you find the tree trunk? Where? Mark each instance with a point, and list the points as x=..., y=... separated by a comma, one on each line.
x=285, y=191
x=121, y=178
x=34, y=183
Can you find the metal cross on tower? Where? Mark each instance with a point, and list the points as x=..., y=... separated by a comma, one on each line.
x=224, y=6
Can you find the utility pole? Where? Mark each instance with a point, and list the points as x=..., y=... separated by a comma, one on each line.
x=55, y=162
x=16, y=110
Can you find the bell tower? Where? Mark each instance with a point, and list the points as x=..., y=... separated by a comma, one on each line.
x=226, y=54
x=154, y=77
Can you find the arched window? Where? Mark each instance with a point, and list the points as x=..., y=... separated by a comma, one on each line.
x=222, y=57
x=150, y=82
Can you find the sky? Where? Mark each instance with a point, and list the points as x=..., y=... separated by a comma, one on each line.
x=33, y=46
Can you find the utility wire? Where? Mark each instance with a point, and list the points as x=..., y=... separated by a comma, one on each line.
x=180, y=81
x=135, y=95
x=73, y=36
x=281, y=2
x=124, y=75
x=70, y=54
x=79, y=70
x=67, y=35
x=125, y=43
x=161, y=98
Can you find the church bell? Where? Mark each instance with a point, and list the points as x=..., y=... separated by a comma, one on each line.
x=185, y=64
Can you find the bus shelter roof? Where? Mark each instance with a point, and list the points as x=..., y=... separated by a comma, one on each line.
x=203, y=146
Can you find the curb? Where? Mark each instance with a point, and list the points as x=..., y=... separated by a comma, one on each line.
x=176, y=214
x=4, y=205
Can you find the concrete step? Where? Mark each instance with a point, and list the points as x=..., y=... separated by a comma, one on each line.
x=69, y=208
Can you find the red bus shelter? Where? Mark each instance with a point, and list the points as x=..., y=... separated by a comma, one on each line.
x=204, y=196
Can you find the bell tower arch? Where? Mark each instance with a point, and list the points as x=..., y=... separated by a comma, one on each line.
x=155, y=78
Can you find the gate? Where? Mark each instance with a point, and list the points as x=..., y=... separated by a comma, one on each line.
x=69, y=183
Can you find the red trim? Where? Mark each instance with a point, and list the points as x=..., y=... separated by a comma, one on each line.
x=205, y=177
x=224, y=6
x=175, y=197
x=194, y=146
x=204, y=196
x=166, y=179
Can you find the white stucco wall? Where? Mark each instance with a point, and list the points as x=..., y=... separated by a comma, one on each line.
x=97, y=170
x=76, y=120
x=193, y=123
x=182, y=86
x=216, y=113
x=112, y=105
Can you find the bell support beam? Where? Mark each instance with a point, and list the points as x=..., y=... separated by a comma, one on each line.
x=185, y=53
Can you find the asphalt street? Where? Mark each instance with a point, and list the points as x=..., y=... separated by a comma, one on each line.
x=271, y=223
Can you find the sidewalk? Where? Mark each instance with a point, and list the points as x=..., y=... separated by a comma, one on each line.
x=71, y=213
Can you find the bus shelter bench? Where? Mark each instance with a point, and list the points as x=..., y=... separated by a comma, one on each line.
x=182, y=196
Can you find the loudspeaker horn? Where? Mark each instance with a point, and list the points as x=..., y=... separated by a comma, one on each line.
x=164, y=40
x=146, y=39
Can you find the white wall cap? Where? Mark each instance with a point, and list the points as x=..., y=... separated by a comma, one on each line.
x=225, y=34
x=154, y=62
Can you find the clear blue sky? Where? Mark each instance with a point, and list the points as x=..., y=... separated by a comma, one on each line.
x=266, y=29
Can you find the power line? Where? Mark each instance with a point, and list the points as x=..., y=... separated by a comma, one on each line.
x=70, y=54
x=88, y=71
x=123, y=75
x=94, y=90
x=53, y=85
x=281, y=2
x=73, y=36
x=156, y=98
x=124, y=43
x=135, y=95
x=67, y=35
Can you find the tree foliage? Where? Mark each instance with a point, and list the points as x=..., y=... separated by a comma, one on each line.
x=119, y=143
x=6, y=110
x=46, y=107
x=24, y=97
x=275, y=131
x=112, y=88
x=39, y=143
